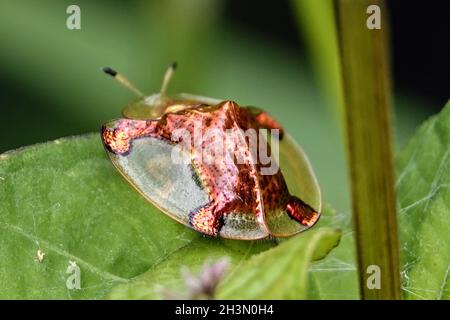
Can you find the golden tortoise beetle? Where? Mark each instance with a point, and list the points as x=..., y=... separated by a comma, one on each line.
x=223, y=197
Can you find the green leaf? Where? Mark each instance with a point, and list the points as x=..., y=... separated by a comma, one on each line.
x=424, y=221
x=335, y=277
x=287, y=275
x=424, y=210
x=280, y=273
x=166, y=274
x=65, y=199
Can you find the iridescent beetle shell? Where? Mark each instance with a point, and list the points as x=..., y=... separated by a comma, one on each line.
x=220, y=197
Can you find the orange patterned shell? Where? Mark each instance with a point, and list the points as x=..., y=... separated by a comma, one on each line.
x=218, y=196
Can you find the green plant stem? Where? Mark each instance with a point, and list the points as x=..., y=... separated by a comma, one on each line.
x=365, y=71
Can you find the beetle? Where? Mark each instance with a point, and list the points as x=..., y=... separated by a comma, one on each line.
x=224, y=195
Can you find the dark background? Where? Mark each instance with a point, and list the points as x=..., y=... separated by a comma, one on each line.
x=420, y=32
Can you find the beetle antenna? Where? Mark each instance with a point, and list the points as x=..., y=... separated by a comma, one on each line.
x=167, y=76
x=124, y=81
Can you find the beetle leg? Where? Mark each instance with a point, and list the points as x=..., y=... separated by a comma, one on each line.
x=206, y=220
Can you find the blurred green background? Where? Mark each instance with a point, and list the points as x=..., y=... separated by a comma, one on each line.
x=277, y=55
